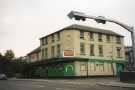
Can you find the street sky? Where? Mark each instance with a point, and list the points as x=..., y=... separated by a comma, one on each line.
x=23, y=22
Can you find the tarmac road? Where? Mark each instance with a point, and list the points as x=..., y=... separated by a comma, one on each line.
x=52, y=85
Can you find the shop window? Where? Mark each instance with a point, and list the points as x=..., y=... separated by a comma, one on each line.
x=82, y=67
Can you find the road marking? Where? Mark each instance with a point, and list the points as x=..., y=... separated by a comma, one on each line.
x=67, y=89
x=58, y=88
x=63, y=89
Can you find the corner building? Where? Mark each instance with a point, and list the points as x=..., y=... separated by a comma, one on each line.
x=82, y=51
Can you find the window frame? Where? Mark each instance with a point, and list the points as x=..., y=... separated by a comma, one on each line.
x=92, y=50
x=82, y=48
x=82, y=35
x=100, y=37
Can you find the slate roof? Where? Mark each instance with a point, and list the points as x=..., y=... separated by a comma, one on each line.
x=91, y=29
x=86, y=28
x=34, y=51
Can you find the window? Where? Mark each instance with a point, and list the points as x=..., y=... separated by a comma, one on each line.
x=91, y=66
x=100, y=37
x=53, y=38
x=42, y=41
x=118, y=40
x=91, y=34
x=58, y=50
x=118, y=52
x=58, y=36
x=92, y=50
x=52, y=51
x=45, y=41
x=43, y=53
x=46, y=52
x=81, y=35
x=82, y=48
x=83, y=67
x=108, y=38
x=100, y=47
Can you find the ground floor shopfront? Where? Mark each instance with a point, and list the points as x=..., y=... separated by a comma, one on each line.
x=79, y=67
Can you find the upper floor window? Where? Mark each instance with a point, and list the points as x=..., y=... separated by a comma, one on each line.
x=81, y=35
x=118, y=40
x=45, y=41
x=46, y=52
x=42, y=41
x=42, y=51
x=100, y=37
x=100, y=47
x=53, y=38
x=52, y=51
x=91, y=49
x=58, y=50
x=82, y=48
x=58, y=36
x=91, y=34
x=118, y=52
x=108, y=38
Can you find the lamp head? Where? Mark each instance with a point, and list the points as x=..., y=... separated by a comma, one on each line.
x=100, y=19
x=77, y=15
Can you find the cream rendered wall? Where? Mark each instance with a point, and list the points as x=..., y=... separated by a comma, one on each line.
x=49, y=45
x=70, y=39
x=94, y=70
x=109, y=49
x=67, y=40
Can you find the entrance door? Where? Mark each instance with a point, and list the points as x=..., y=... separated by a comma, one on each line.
x=120, y=68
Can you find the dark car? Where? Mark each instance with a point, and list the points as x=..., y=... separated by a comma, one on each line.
x=3, y=76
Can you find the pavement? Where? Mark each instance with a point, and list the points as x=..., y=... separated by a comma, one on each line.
x=113, y=82
x=117, y=84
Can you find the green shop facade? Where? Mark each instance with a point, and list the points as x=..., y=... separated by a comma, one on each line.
x=74, y=67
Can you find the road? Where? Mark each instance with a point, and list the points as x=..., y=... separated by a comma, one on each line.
x=52, y=85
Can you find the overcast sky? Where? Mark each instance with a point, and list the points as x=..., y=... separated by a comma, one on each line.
x=23, y=22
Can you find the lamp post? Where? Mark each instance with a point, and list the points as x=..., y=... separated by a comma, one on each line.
x=103, y=20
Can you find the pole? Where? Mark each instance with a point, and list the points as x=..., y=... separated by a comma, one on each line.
x=133, y=47
x=82, y=16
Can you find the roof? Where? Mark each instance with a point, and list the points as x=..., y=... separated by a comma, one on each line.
x=87, y=28
x=91, y=29
x=34, y=51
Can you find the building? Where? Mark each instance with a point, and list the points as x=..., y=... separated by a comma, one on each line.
x=79, y=50
x=34, y=55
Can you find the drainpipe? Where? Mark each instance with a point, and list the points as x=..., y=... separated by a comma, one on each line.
x=112, y=60
x=87, y=69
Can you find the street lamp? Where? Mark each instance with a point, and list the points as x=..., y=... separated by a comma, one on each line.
x=103, y=20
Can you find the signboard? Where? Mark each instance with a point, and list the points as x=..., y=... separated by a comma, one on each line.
x=68, y=53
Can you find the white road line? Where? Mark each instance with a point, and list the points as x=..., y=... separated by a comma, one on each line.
x=67, y=89
x=63, y=89
x=58, y=88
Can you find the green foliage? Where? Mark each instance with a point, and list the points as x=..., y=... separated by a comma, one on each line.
x=9, y=54
x=9, y=65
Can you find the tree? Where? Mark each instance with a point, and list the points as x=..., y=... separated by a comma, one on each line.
x=9, y=54
x=0, y=55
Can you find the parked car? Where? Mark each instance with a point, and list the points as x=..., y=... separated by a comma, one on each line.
x=3, y=76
